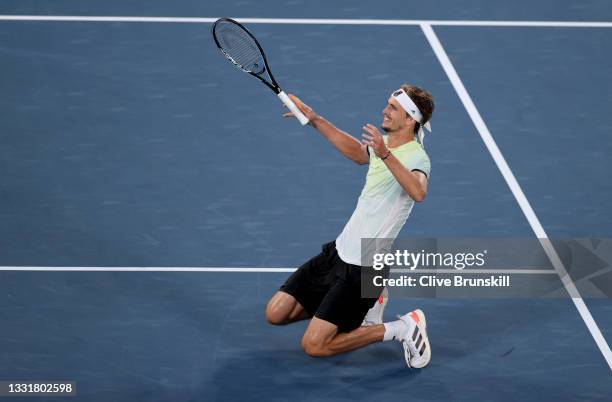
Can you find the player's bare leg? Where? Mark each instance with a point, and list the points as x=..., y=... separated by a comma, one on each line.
x=323, y=339
x=284, y=309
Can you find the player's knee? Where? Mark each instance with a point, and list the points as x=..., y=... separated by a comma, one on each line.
x=313, y=348
x=274, y=316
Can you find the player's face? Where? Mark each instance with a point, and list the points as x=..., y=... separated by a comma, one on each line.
x=394, y=117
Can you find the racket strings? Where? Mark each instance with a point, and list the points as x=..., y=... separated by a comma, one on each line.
x=240, y=48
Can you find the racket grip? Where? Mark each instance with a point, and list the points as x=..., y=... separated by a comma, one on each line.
x=293, y=108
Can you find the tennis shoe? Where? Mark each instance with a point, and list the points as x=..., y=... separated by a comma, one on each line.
x=417, y=351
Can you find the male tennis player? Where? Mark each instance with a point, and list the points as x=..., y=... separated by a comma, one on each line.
x=327, y=288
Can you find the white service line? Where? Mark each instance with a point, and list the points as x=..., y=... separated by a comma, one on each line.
x=309, y=21
x=145, y=269
x=265, y=270
x=475, y=271
x=520, y=197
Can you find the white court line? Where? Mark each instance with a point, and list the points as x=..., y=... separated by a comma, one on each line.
x=504, y=168
x=264, y=270
x=311, y=21
x=146, y=269
x=477, y=271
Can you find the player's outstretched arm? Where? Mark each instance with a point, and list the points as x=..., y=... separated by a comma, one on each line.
x=348, y=145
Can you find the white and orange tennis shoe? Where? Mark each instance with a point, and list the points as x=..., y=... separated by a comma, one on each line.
x=374, y=315
x=417, y=351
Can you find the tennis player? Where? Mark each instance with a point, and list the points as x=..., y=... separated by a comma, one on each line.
x=327, y=288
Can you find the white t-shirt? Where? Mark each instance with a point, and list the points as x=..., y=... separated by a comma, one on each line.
x=383, y=206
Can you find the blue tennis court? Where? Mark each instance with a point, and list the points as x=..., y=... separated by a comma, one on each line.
x=128, y=142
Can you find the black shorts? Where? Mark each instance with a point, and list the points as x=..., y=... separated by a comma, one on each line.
x=330, y=289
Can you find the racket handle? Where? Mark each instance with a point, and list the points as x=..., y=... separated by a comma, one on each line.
x=293, y=108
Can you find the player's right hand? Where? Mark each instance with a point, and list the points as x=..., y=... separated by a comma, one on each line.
x=304, y=108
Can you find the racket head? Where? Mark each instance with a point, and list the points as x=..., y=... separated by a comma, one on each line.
x=240, y=47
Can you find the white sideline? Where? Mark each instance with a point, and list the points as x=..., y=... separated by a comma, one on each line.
x=310, y=21
x=506, y=172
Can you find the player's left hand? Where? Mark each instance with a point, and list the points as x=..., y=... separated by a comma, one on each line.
x=373, y=138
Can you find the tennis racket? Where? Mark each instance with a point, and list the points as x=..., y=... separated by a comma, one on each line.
x=242, y=49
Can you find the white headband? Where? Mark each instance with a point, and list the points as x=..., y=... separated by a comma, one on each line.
x=411, y=108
